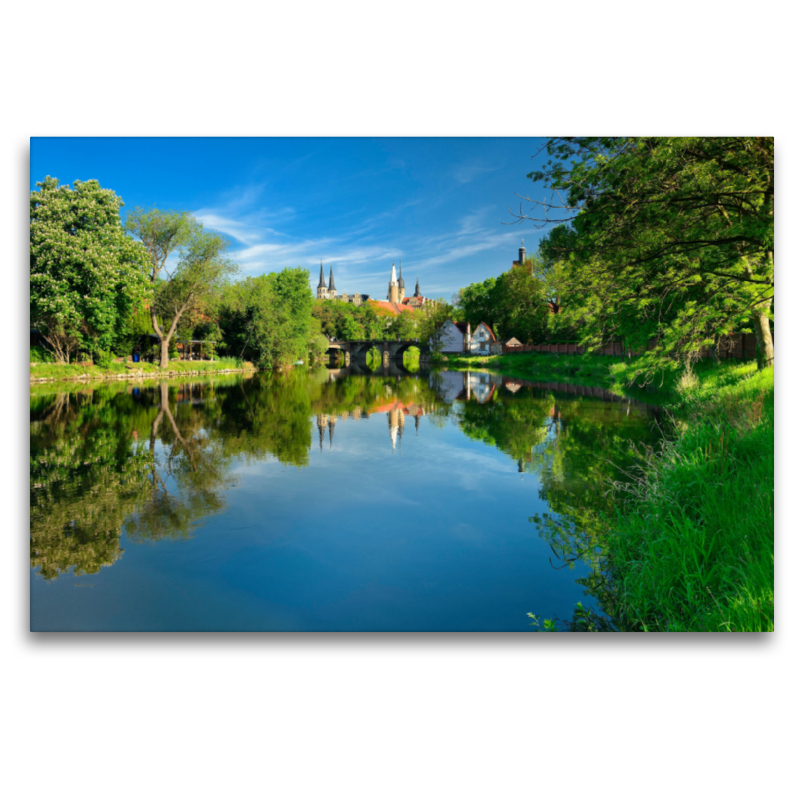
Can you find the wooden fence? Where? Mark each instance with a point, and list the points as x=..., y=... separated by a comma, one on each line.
x=737, y=345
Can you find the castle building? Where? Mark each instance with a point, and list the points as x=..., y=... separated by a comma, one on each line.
x=325, y=292
x=394, y=288
x=328, y=292
x=397, y=293
x=396, y=300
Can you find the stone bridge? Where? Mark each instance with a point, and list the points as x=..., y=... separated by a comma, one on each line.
x=390, y=349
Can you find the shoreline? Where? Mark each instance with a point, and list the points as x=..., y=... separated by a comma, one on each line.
x=135, y=375
x=722, y=524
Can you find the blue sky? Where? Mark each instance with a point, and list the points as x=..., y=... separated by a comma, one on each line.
x=438, y=204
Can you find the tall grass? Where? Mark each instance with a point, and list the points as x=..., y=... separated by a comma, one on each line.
x=692, y=548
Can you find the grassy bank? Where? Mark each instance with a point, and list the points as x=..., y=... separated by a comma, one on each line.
x=129, y=370
x=609, y=372
x=692, y=545
x=692, y=548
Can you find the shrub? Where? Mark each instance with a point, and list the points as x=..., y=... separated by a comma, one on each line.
x=41, y=356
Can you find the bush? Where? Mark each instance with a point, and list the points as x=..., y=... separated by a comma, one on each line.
x=41, y=356
x=103, y=359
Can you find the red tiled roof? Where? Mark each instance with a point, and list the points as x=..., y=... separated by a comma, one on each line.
x=392, y=308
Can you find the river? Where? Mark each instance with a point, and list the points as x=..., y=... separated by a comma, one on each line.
x=322, y=500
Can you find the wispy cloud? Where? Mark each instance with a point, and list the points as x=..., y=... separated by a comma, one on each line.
x=469, y=171
x=266, y=240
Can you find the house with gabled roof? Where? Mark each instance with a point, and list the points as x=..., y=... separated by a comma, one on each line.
x=458, y=337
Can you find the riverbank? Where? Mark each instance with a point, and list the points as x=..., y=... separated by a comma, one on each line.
x=614, y=373
x=691, y=547
x=127, y=371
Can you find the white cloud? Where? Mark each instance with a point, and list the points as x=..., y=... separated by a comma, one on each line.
x=362, y=254
x=467, y=172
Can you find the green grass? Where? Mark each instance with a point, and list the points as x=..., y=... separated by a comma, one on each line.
x=66, y=372
x=692, y=548
x=692, y=545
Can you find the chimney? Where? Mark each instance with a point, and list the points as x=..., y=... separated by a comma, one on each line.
x=522, y=252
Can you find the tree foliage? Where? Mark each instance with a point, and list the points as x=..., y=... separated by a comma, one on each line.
x=432, y=318
x=180, y=292
x=267, y=319
x=663, y=242
x=348, y=322
x=513, y=304
x=87, y=277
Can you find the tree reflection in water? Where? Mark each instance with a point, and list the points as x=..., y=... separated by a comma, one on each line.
x=578, y=447
x=154, y=462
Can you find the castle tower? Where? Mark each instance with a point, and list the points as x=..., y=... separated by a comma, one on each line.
x=331, y=287
x=401, y=285
x=322, y=290
x=393, y=295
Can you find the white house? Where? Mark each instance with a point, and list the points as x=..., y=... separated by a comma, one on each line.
x=453, y=336
x=458, y=337
x=479, y=342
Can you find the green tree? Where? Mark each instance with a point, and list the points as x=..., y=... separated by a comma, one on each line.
x=87, y=277
x=479, y=302
x=403, y=326
x=267, y=319
x=670, y=240
x=521, y=308
x=432, y=317
x=180, y=293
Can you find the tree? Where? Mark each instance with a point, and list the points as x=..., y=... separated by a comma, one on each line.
x=520, y=305
x=668, y=241
x=201, y=267
x=513, y=304
x=87, y=277
x=293, y=310
x=432, y=317
x=403, y=326
x=478, y=301
x=267, y=319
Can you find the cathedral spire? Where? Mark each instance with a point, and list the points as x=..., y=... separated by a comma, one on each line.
x=331, y=284
x=400, y=282
x=417, y=292
x=321, y=284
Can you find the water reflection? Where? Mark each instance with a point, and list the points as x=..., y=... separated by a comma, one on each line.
x=122, y=463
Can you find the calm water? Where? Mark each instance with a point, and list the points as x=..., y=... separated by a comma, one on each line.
x=321, y=500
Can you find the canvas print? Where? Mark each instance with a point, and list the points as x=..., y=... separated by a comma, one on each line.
x=402, y=384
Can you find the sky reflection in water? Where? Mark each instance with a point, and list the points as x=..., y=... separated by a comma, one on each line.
x=316, y=500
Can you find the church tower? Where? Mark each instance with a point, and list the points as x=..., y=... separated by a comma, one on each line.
x=417, y=292
x=394, y=289
x=331, y=287
x=401, y=285
x=522, y=254
x=322, y=290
